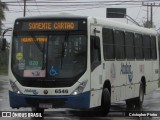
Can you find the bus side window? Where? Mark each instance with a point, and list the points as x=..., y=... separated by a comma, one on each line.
x=147, y=47
x=95, y=52
x=153, y=48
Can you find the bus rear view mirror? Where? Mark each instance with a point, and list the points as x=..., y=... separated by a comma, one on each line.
x=3, y=44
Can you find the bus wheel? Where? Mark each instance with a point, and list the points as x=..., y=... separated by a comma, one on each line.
x=139, y=100
x=130, y=103
x=105, y=102
x=38, y=110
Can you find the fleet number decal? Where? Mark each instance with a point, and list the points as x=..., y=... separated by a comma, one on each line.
x=61, y=91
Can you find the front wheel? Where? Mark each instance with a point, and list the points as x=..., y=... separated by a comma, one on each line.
x=105, y=101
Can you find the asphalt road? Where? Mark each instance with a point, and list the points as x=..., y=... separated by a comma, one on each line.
x=118, y=110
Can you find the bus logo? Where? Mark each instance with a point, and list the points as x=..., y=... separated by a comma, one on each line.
x=35, y=92
x=126, y=69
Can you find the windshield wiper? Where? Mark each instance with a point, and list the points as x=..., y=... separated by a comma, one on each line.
x=36, y=43
x=63, y=48
x=62, y=54
x=40, y=49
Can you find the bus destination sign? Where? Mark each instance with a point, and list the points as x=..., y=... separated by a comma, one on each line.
x=47, y=25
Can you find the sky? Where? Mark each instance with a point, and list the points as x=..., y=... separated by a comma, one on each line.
x=96, y=8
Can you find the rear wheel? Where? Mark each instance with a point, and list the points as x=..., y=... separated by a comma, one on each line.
x=130, y=103
x=105, y=102
x=138, y=101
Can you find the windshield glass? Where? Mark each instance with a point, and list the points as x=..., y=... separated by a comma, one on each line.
x=52, y=56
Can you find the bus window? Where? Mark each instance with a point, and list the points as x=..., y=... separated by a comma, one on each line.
x=129, y=45
x=153, y=47
x=119, y=44
x=147, y=48
x=138, y=46
x=95, y=52
x=108, y=44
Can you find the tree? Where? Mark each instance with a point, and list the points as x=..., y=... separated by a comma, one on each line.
x=3, y=55
x=3, y=7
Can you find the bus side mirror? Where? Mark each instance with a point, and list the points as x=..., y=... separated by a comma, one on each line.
x=3, y=44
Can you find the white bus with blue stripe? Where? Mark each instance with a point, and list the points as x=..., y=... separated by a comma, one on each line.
x=79, y=62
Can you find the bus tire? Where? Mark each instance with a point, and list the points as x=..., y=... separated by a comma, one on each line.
x=38, y=110
x=105, y=101
x=139, y=100
x=130, y=103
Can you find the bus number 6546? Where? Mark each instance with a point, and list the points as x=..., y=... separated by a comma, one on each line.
x=61, y=90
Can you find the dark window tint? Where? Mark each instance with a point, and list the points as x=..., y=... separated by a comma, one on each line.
x=119, y=44
x=108, y=47
x=153, y=48
x=138, y=46
x=129, y=44
x=147, y=48
x=67, y=54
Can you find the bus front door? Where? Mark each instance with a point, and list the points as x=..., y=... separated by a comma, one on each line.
x=96, y=67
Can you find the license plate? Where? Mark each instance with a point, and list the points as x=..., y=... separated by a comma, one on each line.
x=45, y=105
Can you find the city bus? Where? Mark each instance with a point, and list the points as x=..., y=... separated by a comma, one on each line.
x=80, y=62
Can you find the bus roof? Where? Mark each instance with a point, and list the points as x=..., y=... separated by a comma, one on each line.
x=122, y=26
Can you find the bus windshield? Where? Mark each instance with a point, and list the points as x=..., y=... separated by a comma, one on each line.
x=50, y=55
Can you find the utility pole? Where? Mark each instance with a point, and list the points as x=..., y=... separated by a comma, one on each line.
x=147, y=16
x=151, y=15
x=151, y=12
x=24, y=11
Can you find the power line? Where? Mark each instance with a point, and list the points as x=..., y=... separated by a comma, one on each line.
x=19, y=5
x=37, y=7
x=82, y=7
x=138, y=13
x=66, y=9
x=77, y=9
x=72, y=5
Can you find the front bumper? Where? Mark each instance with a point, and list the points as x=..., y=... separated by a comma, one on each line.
x=81, y=101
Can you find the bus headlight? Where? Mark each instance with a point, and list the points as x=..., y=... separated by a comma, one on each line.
x=15, y=88
x=80, y=88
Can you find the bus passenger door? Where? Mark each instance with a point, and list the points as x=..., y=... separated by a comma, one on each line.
x=96, y=67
